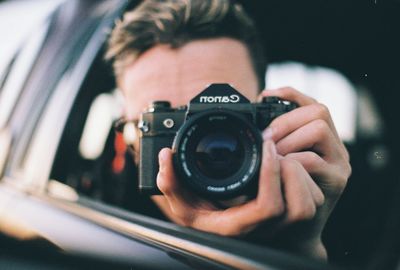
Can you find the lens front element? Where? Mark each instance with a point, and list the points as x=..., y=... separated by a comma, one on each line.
x=217, y=153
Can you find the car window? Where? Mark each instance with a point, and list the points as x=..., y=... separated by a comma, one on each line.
x=53, y=71
x=19, y=71
x=86, y=162
x=21, y=44
x=15, y=31
x=73, y=65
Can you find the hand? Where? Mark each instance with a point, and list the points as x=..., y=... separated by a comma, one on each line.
x=307, y=135
x=307, y=145
x=185, y=208
x=286, y=194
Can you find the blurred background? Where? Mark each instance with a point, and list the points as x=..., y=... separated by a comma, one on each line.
x=345, y=54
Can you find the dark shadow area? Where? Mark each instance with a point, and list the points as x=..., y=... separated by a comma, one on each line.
x=359, y=39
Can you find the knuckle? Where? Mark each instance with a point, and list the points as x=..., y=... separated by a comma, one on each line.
x=303, y=213
x=313, y=100
x=289, y=91
x=314, y=159
x=340, y=185
x=271, y=211
x=320, y=200
x=184, y=219
x=267, y=166
x=310, y=212
x=289, y=164
x=276, y=211
x=321, y=111
x=320, y=127
x=341, y=180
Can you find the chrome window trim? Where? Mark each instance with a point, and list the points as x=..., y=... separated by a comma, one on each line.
x=36, y=166
x=221, y=250
x=26, y=217
x=13, y=84
x=15, y=31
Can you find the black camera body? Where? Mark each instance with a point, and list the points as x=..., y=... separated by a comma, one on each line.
x=216, y=141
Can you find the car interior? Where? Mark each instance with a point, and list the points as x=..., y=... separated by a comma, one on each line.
x=353, y=42
x=356, y=226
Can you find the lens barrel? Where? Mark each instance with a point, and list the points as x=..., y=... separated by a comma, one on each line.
x=217, y=153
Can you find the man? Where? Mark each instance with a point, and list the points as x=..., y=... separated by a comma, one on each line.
x=171, y=50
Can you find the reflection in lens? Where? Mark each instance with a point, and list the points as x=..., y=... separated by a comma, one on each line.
x=219, y=155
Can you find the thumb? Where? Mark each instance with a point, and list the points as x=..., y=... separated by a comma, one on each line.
x=166, y=179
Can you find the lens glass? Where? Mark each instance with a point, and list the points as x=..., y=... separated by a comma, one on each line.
x=219, y=155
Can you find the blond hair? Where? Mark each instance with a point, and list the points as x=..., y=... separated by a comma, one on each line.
x=176, y=22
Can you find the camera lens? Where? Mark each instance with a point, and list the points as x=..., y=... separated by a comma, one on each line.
x=219, y=155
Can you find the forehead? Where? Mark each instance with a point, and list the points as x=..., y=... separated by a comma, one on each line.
x=178, y=74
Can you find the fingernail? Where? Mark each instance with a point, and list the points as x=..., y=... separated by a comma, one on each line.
x=270, y=148
x=267, y=134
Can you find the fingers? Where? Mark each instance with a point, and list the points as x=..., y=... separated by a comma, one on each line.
x=311, y=162
x=166, y=179
x=269, y=188
x=314, y=165
x=315, y=136
x=301, y=201
x=291, y=94
x=284, y=191
x=185, y=208
x=309, y=110
x=298, y=200
x=310, y=127
x=293, y=120
x=179, y=204
x=317, y=194
x=174, y=195
x=268, y=204
x=330, y=178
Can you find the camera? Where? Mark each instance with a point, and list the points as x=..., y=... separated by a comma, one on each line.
x=216, y=140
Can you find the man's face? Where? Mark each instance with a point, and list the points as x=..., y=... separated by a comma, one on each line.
x=179, y=74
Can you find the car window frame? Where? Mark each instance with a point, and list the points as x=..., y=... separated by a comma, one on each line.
x=13, y=82
x=29, y=109
x=185, y=242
